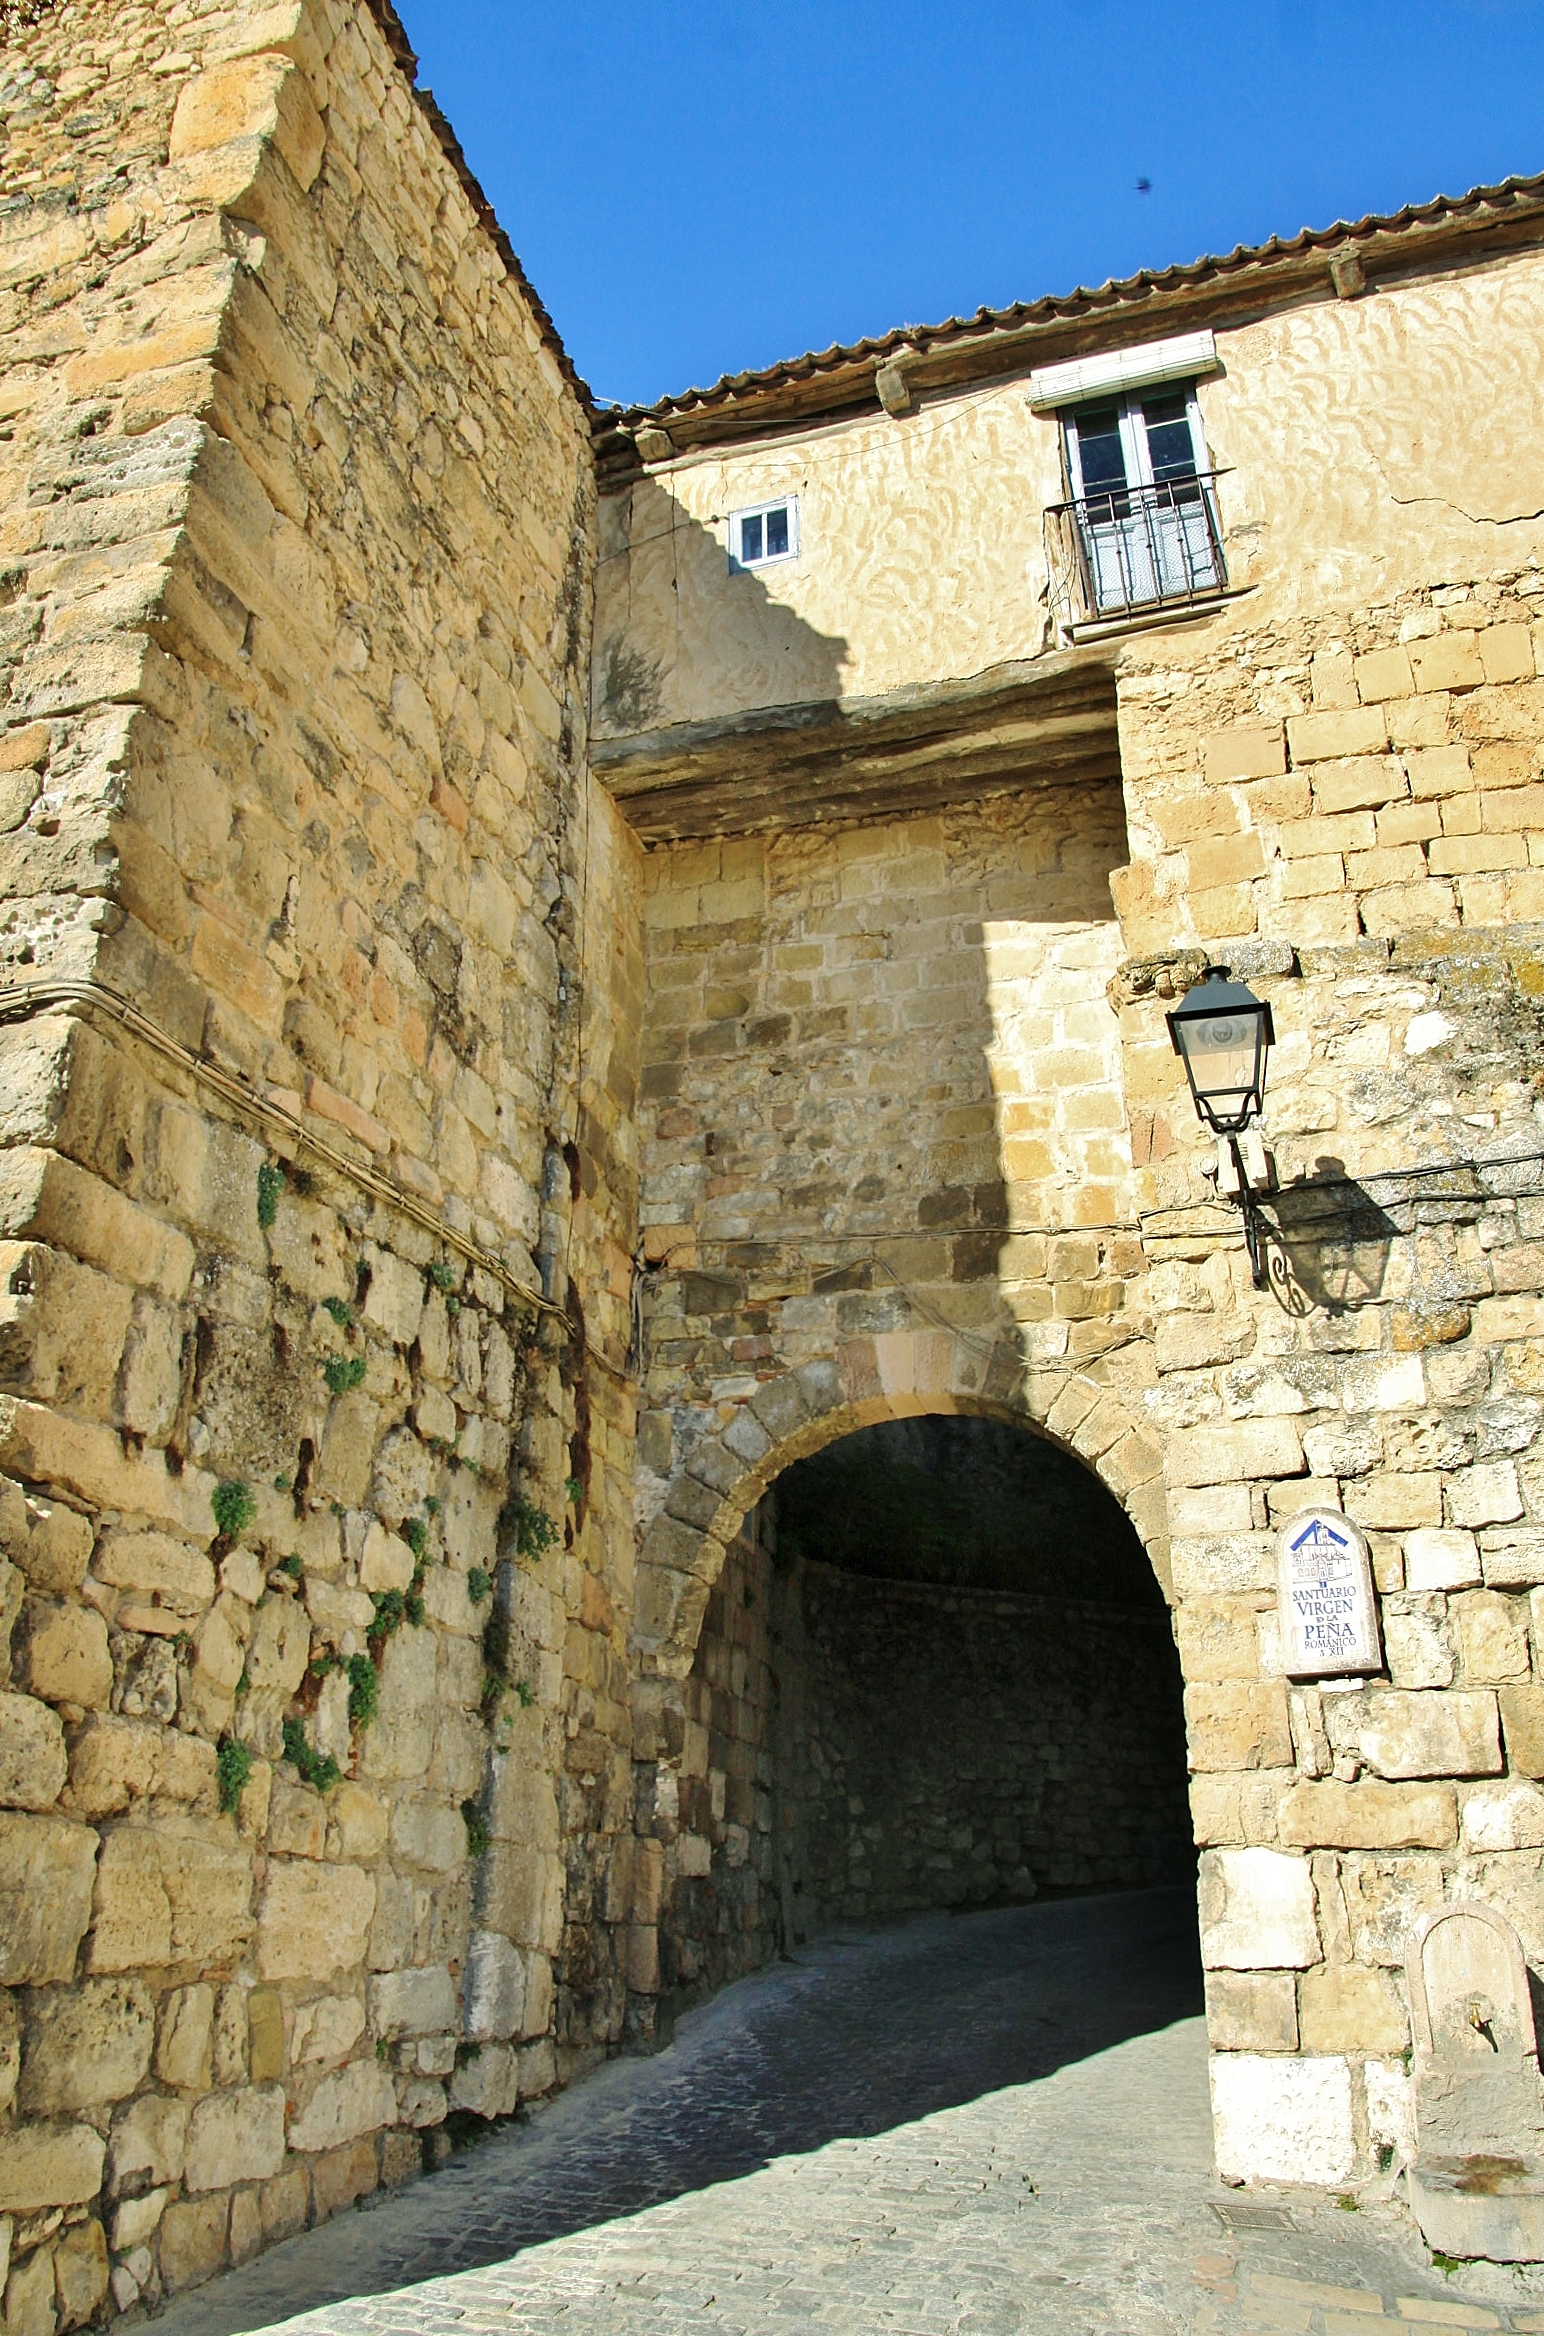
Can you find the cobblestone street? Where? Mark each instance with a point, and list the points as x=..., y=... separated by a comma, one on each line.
x=957, y=2126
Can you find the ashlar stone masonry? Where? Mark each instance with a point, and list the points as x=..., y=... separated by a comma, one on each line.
x=504, y=1051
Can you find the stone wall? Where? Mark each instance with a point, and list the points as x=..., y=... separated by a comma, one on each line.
x=715, y=1823
x=1334, y=784
x=879, y=1060
x=314, y=1747
x=1352, y=804
x=967, y=1747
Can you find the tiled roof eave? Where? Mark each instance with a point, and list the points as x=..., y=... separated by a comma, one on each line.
x=825, y=382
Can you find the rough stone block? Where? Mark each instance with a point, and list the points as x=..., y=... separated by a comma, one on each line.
x=149, y=2140
x=1513, y=1560
x=1504, y=1816
x=488, y=2083
x=314, y=1920
x=1438, y=1559
x=394, y=1303
x=283, y=2205
x=1218, y=1639
x=1257, y=1911
x=1522, y=1721
x=80, y=2274
x=1395, y=1503
x=85, y=2044
x=114, y=1762
x=326, y=2031
x=47, y=1870
x=193, y=2242
x=1368, y=1815
x=61, y=1653
x=538, y=2070
x=1233, y=1724
x=1418, y=1733
x=186, y=2032
x=165, y=1897
x=29, y=2296
x=494, y=1989
x=1416, y=1645
x=1486, y=1495
x=1492, y=1634
x=358, y=2099
x=1244, y=754
x=33, y=1760
x=413, y=2002
x=235, y=2137
x=1280, y=2120
x=1251, y=2011
x=1329, y=737
x=1217, y=1454
x=49, y=2165
x=1345, y=2007
x=520, y=1892
x=344, y=2176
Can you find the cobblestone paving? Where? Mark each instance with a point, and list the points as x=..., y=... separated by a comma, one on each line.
x=991, y=2125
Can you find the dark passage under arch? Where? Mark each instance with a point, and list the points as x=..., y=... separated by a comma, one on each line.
x=936, y=1671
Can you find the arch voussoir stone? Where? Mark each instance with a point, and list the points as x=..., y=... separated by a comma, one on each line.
x=887, y=1375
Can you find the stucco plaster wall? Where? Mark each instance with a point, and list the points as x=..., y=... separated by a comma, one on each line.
x=1367, y=447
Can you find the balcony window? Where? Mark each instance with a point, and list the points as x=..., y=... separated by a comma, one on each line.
x=1140, y=527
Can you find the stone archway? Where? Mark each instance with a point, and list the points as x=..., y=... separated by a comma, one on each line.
x=893, y=1375
x=722, y=1477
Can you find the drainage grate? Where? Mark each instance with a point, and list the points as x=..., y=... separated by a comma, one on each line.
x=1241, y=2214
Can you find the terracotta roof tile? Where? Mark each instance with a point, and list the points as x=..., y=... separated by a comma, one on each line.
x=1513, y=194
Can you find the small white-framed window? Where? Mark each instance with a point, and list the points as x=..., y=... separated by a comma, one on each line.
x=764, y=532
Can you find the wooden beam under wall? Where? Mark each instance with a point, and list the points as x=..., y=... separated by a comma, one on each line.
x=1040, y=721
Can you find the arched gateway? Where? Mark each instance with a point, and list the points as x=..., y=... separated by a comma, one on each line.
x=895, y=1375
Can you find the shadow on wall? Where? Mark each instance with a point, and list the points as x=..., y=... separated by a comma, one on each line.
x=1329, y=1248
x=880, y=1095
x=964, y=1504
x=680, y=633
x=988, y=1699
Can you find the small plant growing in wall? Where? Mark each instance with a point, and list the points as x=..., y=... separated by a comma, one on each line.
x=364, y=1690
x=341, y=1311
x=233, y=1770
x=234, y=1505
x=477, y=1835
x=416, y=1534
x=270, y=1183
x=293, y=1565
x=478, y=1584
x=318, y=1768
x=532, y=1529
x=390, y=1613
x=343, y=1373
x=443, y=1274
x=526, y=1693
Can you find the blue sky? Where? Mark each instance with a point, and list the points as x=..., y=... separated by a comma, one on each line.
x=699, y=189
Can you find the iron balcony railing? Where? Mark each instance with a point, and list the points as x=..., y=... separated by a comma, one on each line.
x=1136, y=548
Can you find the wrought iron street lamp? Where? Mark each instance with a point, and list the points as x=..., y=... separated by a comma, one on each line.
x=1223, y=1034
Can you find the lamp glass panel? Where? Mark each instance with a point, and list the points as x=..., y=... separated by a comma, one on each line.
x=1221, y=1053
